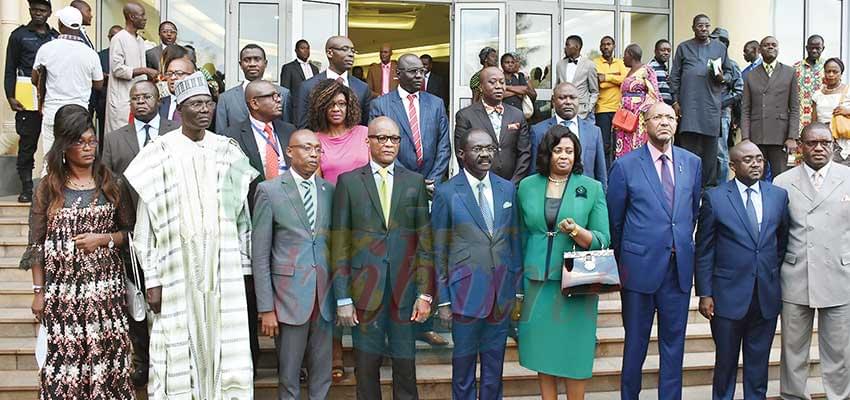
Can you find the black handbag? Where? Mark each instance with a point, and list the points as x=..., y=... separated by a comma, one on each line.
x=589, y=272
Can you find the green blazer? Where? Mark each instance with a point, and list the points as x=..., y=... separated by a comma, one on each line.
x=583, y=201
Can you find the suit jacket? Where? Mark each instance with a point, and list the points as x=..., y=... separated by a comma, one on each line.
x=816, y=268
x=232, y=108
x=476, y=269
x=586, y=82
x=375, y=78
x=644, y=232
x=370, y=257
x=244, y=135
x=302, y=99
x=540, y=262
x=291, y=261
x=771, y=106
x=514, y=156
x=152, y=57
x=433, y=129
x=732, y=257
x=592, y=148
x=164, y=106
x=291, y=75
x=436, y=85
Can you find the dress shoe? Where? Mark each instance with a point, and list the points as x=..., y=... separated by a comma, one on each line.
x=139, y=377
x=432, y=338
x=25, y=198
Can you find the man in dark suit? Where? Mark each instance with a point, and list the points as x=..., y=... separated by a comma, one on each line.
x=291, y=268
x=743, y=231
x=382, y=262
x=340, y=51
x=653, y=200
x=167, y=36
x=231, y=107
x=382, y=77
x=433, y=83
x=477, y=257
x=505, y=123
x=565, y=102
x=176, y=70
x=119, y=148
x=770, y=114
x=293, y=73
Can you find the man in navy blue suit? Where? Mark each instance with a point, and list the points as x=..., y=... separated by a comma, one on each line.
x=340, y=51
x=653, y=200
x=743, y=231
x=565, y=103
x=477, y=257
x=425, y=146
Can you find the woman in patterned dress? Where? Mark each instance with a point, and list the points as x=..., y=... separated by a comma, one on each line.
x=78, y=224
x=639, y=92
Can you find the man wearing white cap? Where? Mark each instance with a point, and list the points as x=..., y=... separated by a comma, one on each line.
x=72, y=69
x=192, y=238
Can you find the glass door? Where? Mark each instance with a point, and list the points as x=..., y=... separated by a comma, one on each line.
x=316, y=21
x=255, y=22
x=533, y=36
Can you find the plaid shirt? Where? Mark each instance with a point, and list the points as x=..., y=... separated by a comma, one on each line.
x=663, y=87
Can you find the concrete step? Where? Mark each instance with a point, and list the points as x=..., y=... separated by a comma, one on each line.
x=610, y=313
x=17, y=323
x=10, y=270
x=12, y=246
x=16, y=294
x=11, y=208
x=14, y=226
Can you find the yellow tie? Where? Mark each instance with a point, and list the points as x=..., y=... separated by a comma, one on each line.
x=769, y=69
x=384, y=194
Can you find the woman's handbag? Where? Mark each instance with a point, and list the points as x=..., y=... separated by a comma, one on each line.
x=136, y=304
x=840, y=124
x=625, y=120
x=589, y=272
x=527, y=107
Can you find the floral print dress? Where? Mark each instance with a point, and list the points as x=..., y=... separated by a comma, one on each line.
x=639, y=91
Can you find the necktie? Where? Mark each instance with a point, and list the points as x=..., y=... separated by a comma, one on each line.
x=414, y=127
x=817, y=180
x=769, y=69
x=568, y=125
x=147, y=129
x=667, y=181
x=340, y=81
x=272, y=166
x=485, y=208
x=572, y=61
x=499, y=108
x=425, y=84
x=384, y=194
x=495, y=114
x=751, y=210
x=309, y=204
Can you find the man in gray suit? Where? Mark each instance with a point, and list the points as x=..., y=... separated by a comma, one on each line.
x=167, y=36
x=815, y=274
x=290, y=263
x=581, y=72
x=770, y=114
x=120, y=147
x=231, y=108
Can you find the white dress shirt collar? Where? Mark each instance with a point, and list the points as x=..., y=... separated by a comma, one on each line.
x=333, y=75
x=573, y=128
x=823, y=171
x=140, y=132
x=488, y=188
x=743, y=188
x=755, y=197
x=376, y=167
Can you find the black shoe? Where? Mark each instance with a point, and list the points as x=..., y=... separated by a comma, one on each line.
x=25, y=198
x=303, y=375
x=139, y=377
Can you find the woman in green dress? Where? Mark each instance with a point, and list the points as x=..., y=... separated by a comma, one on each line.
x=560, y=209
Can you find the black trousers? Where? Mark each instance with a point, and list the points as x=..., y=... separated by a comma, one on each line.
x=253, y=318
x=139, y=335
x=604, y=121
x=705, y=147
x=28, y=127
x=776, y=156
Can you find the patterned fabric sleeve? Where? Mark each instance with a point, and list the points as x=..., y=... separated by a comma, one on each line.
x=34, y=254
x=243, y=230
x=144, y=242
x=652, y=90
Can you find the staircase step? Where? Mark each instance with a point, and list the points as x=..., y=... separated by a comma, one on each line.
x=610, y=313
x=10, y=270
x=14, y=226
x=11, y=208
x=17, y=323
x=16, y=294
x=13, y=246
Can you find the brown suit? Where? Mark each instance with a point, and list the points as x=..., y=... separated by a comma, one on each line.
x=375, y=80
x=771, y=112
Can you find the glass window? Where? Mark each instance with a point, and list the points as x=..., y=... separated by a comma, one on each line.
x=788, y=30
x=320, y=22
x=534, y=48
x=825, y=20
x=478, y=29
x=642, y=29
x=111, y=12
x=609, y=2
x=200, y=24
x=259, y=24
x=646, y=3
x=591, y=26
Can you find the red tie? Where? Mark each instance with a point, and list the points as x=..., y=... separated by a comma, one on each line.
x=272, y=162
x=425, y=84
x=414, y=127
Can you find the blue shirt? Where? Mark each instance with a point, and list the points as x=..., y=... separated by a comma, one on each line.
x=751, y=67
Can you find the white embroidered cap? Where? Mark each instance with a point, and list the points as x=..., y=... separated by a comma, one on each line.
x=191, y=86
x=70, y=17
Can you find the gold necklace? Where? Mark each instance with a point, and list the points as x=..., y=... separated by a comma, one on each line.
x=89, y=184
x=558, y=181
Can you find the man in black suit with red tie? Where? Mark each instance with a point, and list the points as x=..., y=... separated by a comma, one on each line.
x=505, y=123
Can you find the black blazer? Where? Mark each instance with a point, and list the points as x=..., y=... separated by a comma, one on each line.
x=302, y=98
x=436, y=87
x=514, y=157
x=366, y=254
x=244, y=135
x=291, y=75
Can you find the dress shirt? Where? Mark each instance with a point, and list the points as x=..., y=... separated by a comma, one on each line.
x=305, y=68
x=755, y=197
x=245, y=85
x=425, y=80
x=404, y=93
x=296, y=177
x=571, y=69
x=770, y=66
x=152, y=132
x=385, y=78
x=573, y=128
x=488, y=189
x=655, y=155
x=172, y=107
x=751, y=67
x=333, y=75
x=260, y=138
x=823, y=171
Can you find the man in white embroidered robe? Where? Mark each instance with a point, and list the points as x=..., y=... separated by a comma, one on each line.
x=192, y=239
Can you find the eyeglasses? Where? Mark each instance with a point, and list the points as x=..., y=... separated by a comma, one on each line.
x=659, y=117
x=178, y=74
x=168, y=31
x=481, y=149
x=197, y=105
x=345, y=49
x=309, y=149
x=139, y=97
x=414, y=70
x=382, y=139
x=826, y=144
x=82, y=143
x=274, y=96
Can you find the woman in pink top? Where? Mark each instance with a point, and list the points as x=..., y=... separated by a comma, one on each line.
x=334, y=113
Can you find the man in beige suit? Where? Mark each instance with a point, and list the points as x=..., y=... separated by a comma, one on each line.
x=770, y=113
x=382, y=77
x=815, y=275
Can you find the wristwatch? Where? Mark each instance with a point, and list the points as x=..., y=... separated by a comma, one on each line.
x=111, y=242
x=427, y=298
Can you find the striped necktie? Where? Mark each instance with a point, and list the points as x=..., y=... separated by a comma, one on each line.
x=413, y=118
x=309, y=203
x=486, y=211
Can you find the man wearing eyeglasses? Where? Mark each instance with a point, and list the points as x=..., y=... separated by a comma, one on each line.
x=232, y=108
x=340, y=51
x=382, y=263
x=167, y=36
x=815, y=274
x=175, y=70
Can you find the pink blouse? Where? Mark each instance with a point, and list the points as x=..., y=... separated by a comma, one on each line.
x=343, y=153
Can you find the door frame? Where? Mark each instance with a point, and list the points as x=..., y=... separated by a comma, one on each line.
x=231, y=37
x=553, y=10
